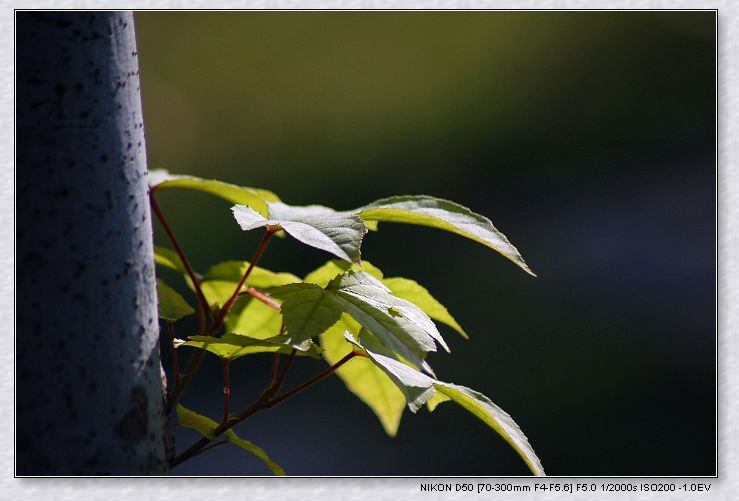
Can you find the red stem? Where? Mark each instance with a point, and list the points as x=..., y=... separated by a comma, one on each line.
x=261, y=296
x=257, y=255
x=263, y=402
x=312, y=380
x=275, y=365
x=181, y=253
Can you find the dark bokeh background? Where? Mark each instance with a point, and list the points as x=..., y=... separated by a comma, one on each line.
x=588, y=139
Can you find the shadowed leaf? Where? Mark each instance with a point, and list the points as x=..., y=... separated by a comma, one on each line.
x=206, y=426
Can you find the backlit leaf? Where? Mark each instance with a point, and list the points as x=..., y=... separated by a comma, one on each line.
x=233, y=346
x=253, y=197
x=314, y=225
x=206, y=427
x=172, y=306
x=169, y=259
x=254, y=318
x=308, y=310
x=438, y=213
x=220, y=281
x=419, y=388
x=323, y=275
x=495, y=417
x=415, y=385
x=362, y=377
x=417, y=294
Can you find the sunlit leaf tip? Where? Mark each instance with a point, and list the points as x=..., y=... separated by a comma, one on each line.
x=254, y=197
x=443, y=214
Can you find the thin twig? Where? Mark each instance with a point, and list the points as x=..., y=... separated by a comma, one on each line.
x=264, y=401
x=257, y=255
x=261, y=296
x=312, y=380
x=181, y=253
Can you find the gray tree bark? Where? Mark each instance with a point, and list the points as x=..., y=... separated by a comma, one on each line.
x=89, y=396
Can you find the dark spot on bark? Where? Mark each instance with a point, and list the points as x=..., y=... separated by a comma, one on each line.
x=60, y=89
x=134, y=425
x=68, y=400
x=79, y=269
x=103, y=157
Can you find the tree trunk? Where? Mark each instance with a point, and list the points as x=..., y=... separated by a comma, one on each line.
x=88, y=376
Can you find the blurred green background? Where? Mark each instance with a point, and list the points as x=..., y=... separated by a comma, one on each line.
x=588, y=139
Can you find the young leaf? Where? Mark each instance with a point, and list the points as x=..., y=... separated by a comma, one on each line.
x=314, y=225
x=495, y=417
x=233, y=346
x=417, y=294
x=255, y=198
x=419, y=388
x=206, y=426
x=172, y=306
x=443, y=214
x=362, y=377
x=308, y=310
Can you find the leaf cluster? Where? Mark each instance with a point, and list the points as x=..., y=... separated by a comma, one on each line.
x=374, y=332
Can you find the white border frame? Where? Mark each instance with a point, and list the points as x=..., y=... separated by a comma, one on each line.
x=165, y=489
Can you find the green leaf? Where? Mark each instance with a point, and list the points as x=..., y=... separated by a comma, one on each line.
x=308, y=310
x=369, y=296
x=206, y=427
x=172, y=306
x=415, y=385
x=417, y=294
x=362, y=377
x=255, y=198
x=169, y=259
x=495, y=417
x=254, y=318
x=221, y=280
x=233, y=346
x=400, y=287
x=314, y=225
x=419, y=388
x=323, y=275
x=438, y=213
